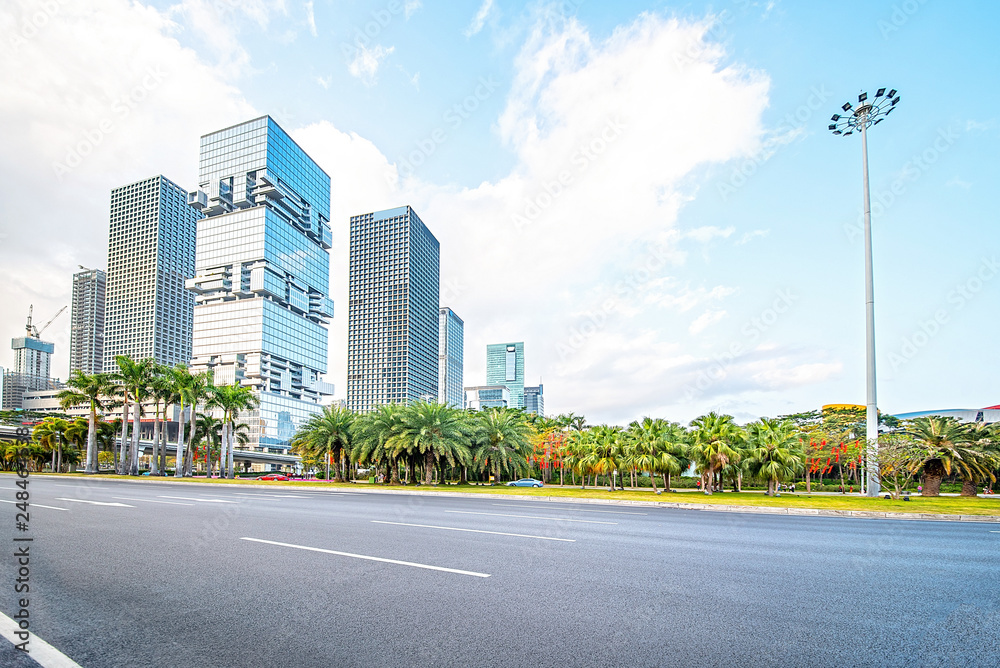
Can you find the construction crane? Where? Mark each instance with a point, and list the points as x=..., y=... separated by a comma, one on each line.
x=35, y=332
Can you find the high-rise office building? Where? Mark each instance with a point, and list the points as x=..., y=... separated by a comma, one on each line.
x=148, y=313
x=263, y=275
x=86, y=339
x=451, y=330
x=534, y=400
x=505, y=366
x=393, y=321
x=32, y=363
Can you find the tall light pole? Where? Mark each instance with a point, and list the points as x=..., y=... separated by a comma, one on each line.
x=868, y=113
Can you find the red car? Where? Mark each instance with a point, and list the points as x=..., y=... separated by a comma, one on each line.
x=273, y=476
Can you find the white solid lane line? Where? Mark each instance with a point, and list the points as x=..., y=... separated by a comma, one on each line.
x=571, y=510
x=96, y=503
x=495, y=533
x=33, y=504
x=368, y=558
x=191, y=498
x=43, y=653
x=172, y=503
x=529, y=517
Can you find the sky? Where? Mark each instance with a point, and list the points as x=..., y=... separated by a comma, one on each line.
x=645, y=193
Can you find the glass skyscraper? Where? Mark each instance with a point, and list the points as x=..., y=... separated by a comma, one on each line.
x=505, y=366
x=263, y=275
x=148, y=312
x=86, y=339
x=534, y=399
x=393, y=321
x=451, y=330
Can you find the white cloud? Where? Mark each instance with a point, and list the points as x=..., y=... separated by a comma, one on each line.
x=583, y=227
x=410, y=7
x=704, y=320
x=479, y=20
x=324, y=82
x=956, y=182
x=367, y=61
x=709, y=232
x=750, y=236
x=103, y=96
x=311, y=19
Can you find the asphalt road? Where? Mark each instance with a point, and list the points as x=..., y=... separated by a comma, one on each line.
x=186, y=575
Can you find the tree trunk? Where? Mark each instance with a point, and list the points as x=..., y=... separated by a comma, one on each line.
x=327, y=458
x=968, y=488
x=394, y=471
x=465, y=476
x=179, y=455
x=59, y=459
x=652, y=479
x=229, y=451
x=666, y=482
x=91, y=441
x=706, y=482
x=808, y=483
x=133, y=467
x=120, y=450
x=933, y=473
x=739, y=481
x=154, y=467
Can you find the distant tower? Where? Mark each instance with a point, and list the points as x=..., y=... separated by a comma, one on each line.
x=32, y=365
x=393, y=321
x=505, y=366
x=451, y=332
x=86, y=342
x=534, y=400
x=148, y=312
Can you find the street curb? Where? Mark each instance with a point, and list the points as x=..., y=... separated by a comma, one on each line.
x=761, y=510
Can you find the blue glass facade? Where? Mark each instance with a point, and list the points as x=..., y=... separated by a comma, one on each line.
x=451, y=333
x=263, y=274
x=392, y=341
x=505, y=366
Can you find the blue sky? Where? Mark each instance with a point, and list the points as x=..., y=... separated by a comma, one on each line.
x=645, y=193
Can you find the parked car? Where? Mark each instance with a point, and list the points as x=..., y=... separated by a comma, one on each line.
x=273, y=476
x=525, y=482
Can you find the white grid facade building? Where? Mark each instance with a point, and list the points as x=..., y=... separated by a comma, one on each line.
x=86, y=341
x=148, y=312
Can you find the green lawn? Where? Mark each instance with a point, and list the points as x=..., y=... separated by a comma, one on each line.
x=941, y=505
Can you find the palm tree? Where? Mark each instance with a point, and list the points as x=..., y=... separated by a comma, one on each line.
x=434, y=431
x=773, y=451
x=135, y=378
x=371, y=433
x=326, y=434
x=713, y=436
x=232, y=399
x=500, y=438
x=953, y=446
x=161, y=392
x=209, y=431
x=50, y=433
x=96, y=390
x=659, y=448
